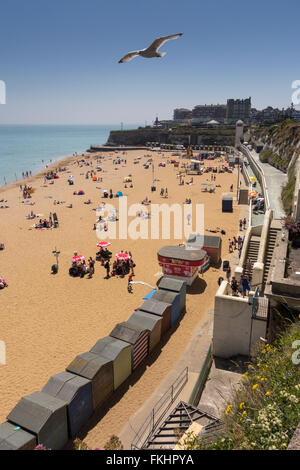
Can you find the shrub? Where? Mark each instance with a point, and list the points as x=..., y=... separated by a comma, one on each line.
x=265, y=409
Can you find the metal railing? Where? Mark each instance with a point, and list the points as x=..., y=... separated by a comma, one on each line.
x=262, y=175
x=159, y=411
x=201, y=381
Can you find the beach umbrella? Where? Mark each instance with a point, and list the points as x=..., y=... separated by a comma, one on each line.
x=123, y=256
x=103, y=244
x=77, y=258
x=252, y=193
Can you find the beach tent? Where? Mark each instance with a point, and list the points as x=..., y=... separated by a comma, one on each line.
x=76, y=391
x=14, y=438
x=171, y=298
x=44, y=416
x=160, y=309
x=117, y=351
x=119, y=194
x=137, y=336
x=149, y=322
x=174, y=285
x=98, y=370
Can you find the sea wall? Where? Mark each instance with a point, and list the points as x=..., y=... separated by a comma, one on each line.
x=185, y=136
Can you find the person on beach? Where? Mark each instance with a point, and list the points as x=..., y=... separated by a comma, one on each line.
x=230, y=245
x=244, y=223
x=91, y=266
x=107, y=267
x=228, y=273
x=129, y=285
x=241, y=225
x=166, y=192
x=240, y=242
x=234, y=242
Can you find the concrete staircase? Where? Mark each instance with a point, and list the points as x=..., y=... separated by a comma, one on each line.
x=252, y=253
x=269, y=251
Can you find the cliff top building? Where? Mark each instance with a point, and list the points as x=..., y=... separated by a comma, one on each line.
x=238, y=109
x=208, y=112
x=182, y=114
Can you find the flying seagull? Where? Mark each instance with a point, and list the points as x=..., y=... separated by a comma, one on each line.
x=151, y=51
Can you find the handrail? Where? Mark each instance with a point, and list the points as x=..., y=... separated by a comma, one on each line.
x=199, y=385
x=154, y=418
x=261, y=171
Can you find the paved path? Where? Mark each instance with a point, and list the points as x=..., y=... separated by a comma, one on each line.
x=275, y=179
x=192, y=358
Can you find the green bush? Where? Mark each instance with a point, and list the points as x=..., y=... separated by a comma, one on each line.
x=265, y=409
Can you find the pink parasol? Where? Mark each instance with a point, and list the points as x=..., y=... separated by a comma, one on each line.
x=103, y=244
x=77, y=258
x=123, y=256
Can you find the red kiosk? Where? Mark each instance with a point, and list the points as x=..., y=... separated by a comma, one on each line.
x=181, y=263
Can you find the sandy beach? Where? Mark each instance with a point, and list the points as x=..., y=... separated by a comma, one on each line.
x=46, y=319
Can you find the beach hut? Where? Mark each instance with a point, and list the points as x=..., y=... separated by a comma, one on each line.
x=160, y=309
x=171, y=298
x=149, y=322
x=227, y=203
x=14, y=438
x=76, y=391
x=97, y=369
x=44, y=416
x=137, y=336
x=119, y=352
x=174, y=285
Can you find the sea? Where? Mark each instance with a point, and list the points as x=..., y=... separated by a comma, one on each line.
x=31, y=147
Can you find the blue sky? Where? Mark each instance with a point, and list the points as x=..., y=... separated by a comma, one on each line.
x=59, y=58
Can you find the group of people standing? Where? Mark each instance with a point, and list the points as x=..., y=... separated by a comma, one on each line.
x=119, y=267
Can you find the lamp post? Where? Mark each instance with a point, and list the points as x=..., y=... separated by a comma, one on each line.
x=55, y=266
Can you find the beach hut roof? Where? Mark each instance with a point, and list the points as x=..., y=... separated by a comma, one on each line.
x=170, y=283
x=33, y=411
x=154, y=306
x=165, y=295
x=64, y=385
x=14, y=438
x=109, y=347
x=129, y=332
x=204, y=240
x=181, y=253
x=87, y=364
x=144, y=320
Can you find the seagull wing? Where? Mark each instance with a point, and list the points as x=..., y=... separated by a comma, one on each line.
x=160, y=41
x=129, y=56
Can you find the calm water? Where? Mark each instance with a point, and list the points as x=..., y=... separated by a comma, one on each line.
x=29, y=148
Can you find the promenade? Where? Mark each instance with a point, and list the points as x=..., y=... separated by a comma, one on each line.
x=275, y=180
